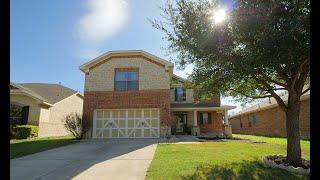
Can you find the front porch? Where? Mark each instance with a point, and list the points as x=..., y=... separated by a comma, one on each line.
x=201, y=121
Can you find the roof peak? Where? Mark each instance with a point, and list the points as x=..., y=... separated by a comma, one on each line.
x=85, y=67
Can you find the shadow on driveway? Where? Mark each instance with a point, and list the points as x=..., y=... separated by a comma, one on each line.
x=94, y=159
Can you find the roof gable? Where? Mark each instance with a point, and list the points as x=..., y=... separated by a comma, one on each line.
x=134, y=53
x=50, y=93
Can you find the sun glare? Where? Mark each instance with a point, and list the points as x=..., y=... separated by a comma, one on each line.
x=219, y=16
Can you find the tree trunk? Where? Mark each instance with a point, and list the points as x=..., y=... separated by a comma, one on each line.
x=293, y=131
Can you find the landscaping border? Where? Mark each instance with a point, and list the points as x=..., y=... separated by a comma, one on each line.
x=271, y=163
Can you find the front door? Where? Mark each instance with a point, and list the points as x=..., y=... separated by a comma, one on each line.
x=181, y=122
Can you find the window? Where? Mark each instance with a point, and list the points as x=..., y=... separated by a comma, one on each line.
x=240, y=123
x=256, y=120
x=126, y=80
x=250, y=121
x=180, y=94
x=205, y=118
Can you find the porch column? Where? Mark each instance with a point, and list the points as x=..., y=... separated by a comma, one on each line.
x=195, y=123
x=226, y=120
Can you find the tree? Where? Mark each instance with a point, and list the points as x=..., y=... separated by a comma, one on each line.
x=262, y=47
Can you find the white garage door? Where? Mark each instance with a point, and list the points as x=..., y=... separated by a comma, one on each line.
x=126, y=123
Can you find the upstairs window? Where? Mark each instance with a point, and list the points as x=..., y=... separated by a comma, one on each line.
x=180, y=94
x=126, y=80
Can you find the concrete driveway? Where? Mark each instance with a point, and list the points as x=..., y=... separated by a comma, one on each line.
x=94, y=159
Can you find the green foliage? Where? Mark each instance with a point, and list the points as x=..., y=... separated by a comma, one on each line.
x=261, y=47
x=72, y=123
x=15, y=110
x=234, y=159
x=24, y=131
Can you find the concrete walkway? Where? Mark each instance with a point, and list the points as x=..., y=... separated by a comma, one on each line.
x=94, y=159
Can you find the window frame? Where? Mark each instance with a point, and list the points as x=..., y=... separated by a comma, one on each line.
x=126, y=70
x=209, y=120
x=184, y=94
x=249, y=120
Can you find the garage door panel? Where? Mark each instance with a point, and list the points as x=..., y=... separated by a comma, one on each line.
x=123, y=123
x=154, y=123
x=99, y=133
x=99, y=123
x=138, y=132
x=138, y=114
x=106, y=114
x=154, y=113
x=147, y=113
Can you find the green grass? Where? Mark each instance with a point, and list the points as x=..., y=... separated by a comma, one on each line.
x=221, y=160
x=22, y=147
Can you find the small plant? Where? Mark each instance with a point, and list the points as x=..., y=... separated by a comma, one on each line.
x=73, y=125
x=24, y=131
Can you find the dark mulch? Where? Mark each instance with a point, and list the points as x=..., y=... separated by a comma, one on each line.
x=280, y=159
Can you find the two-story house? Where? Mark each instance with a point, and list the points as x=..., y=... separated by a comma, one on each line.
x=134, y=94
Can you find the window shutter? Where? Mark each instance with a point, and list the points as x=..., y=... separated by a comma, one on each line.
x=201, y=118
x=184, y=94
x=209, y=118
x=175, y=94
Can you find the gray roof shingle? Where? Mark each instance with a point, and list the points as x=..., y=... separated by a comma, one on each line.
x=52, y=93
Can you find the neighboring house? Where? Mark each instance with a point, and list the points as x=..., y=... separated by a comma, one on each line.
x=266, y=118
x=45, y=105
x=135, y=94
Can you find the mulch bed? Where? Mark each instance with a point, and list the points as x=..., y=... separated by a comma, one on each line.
x=280, y=159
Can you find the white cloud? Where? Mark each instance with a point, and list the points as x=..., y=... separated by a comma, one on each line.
x=103, y=20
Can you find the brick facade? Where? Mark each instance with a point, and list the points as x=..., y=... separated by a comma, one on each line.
x=272, y=122
x=216, y=128
x=127, y=99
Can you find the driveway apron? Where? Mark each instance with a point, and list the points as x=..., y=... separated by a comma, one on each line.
x=92, y=159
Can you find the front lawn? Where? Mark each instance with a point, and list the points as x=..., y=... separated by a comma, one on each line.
x=22, y=147
x=220, y=160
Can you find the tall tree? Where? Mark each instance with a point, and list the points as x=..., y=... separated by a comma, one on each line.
x=260, y=48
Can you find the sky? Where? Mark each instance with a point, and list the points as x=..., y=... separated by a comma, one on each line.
x=50, y=39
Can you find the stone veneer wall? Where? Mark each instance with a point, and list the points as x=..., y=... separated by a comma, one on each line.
x=151, y=75
x=52, y=120
x=272, y=122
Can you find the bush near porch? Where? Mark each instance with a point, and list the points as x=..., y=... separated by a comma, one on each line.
x=234, y=159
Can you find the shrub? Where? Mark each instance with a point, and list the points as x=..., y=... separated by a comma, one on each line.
x=24, y=131
x=11, y=132
x=73, y=125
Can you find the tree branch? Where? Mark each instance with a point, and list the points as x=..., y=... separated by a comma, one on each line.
x=282, y=74
x=297, y=75
x=306, y=90
x=274, y=81
x=282, y=105
x=249, y=96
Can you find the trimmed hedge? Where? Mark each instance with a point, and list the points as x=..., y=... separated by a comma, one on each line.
x=25, y=131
